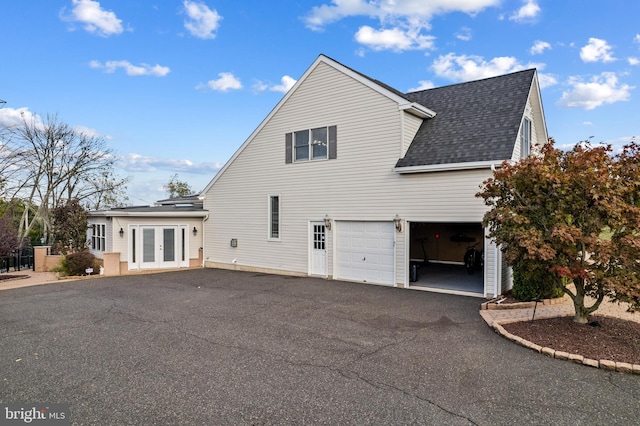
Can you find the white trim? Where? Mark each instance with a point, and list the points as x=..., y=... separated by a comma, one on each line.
x=163, y=214
x=310, y=248
x=471, y=165
x=417, y=110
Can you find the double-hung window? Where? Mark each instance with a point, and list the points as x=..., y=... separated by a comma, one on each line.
x=525, y=138
x=98, y=239
x=311, y=144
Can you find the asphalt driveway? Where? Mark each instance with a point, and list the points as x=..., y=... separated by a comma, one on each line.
x=219, y=347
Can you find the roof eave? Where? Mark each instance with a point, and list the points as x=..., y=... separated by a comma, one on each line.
x=446, y=167
x=417, y=110
x=116, y=213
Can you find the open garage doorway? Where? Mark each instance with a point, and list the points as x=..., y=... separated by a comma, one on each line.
x=437, y=257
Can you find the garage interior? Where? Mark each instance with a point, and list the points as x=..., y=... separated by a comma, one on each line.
x=437, y=257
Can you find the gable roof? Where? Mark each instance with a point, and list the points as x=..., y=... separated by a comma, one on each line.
x=404, y=103
x=476, y=121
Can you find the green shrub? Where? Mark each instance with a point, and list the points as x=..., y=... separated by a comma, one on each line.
x=532, y=280
x=76, y=263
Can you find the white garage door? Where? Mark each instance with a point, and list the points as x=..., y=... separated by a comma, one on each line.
x=365, y=251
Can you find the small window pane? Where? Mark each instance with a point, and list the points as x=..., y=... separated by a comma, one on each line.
x=301, y=145
x=319, y=142
x=183, y=239
x=148, y=245
x=169, y=240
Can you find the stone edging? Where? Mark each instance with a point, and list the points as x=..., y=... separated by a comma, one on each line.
x=605, y=364
x=491, y=304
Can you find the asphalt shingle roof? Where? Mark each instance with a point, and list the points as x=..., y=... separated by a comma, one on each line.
x=475, y=121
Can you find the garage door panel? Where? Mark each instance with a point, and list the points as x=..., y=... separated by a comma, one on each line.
x=365, y=251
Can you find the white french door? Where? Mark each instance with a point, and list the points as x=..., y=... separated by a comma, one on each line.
x=157, y=247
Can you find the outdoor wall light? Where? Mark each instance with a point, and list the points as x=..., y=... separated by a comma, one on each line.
x=195, y=231
x=398, y=222
x=234, y=242
x=327, y=222
x=121, y=232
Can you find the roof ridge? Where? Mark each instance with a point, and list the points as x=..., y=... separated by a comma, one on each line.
x=475, y=81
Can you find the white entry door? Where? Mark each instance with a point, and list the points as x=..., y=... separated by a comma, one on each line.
x=159, y=247
x=318, y=249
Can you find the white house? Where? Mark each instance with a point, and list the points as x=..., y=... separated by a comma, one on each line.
x=131, y=239
x=350, y=179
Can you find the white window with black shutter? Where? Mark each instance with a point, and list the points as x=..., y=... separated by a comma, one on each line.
x=319, y=143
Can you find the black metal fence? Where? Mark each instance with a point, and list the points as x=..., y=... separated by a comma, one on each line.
x=19, y=259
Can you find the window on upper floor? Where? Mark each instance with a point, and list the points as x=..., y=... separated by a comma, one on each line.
x=525, y=138
x=319, y=143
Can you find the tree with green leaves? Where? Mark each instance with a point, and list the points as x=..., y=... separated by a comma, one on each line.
x=70, y=226
x=176, y=188
x=578, y=213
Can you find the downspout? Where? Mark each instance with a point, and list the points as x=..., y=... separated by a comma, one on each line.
x=206, y=218
x=496, y=258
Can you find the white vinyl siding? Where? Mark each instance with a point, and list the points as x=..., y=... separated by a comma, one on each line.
x=531, y=114
x=411, y=125
x=360, y=185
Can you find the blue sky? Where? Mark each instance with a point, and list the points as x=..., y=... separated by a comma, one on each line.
x=176, y=86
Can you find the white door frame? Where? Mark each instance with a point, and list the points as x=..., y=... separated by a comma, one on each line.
x=317, y=249
x=156, y=257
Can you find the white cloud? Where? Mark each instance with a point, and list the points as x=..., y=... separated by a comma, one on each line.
x=10, y=117
x=469, y=67
x=587, y=123
x=130, y=69
x=95, y=19
x=539, y=47
x=633, y=60
x=402, y=22
x=547, y=80
x=464, y=34
x=597, y=50
x=423, y=85
x=393, y=39
x=600, y=90
x=286, y=83
x=636, y=39
x=89, y=132
x=140, y=163
x=390, y=10
x=527, y=12
x=202, y=21
x=226, y=81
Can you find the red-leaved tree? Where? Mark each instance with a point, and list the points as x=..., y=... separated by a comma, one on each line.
x=578, y=212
